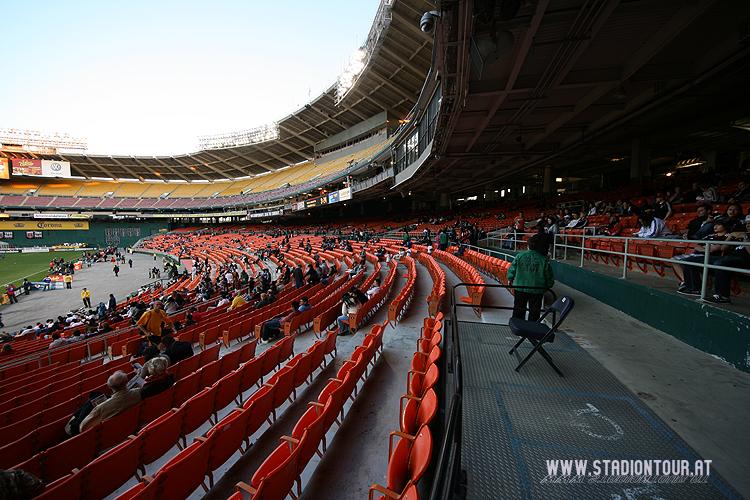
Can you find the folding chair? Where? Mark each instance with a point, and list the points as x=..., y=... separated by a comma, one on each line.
x=538, y=333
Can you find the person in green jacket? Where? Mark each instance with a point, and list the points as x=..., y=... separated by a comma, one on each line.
x=531, y=275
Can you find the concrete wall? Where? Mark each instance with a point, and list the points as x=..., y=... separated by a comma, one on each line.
x=99, y=234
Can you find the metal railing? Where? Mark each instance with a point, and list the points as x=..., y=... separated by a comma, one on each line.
x=563, y=242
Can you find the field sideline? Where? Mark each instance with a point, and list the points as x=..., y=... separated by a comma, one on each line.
x=14, y=266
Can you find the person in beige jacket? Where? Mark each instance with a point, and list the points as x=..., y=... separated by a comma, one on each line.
x=122, y=398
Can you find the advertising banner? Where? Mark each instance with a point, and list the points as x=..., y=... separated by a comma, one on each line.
x=23, y=166
x=4, y=169
x=345, y=194
x=40, y=168
x=51, y=215
x=54, y=168
x=19, y=225
x=333, y=197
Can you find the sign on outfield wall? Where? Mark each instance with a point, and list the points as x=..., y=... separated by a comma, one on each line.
x=4, y=169
x=40, y=168
x=52, y=215
x=19, y=225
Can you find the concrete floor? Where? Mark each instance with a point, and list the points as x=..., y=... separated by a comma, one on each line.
x=703, y=399
x=99, y=279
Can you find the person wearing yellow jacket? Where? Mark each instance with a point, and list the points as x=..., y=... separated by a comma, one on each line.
x=86, y=297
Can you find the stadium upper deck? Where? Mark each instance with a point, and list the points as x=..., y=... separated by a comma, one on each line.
x=398, y=58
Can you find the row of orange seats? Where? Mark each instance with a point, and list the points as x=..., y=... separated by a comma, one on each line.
x=54, y=462
x=411, y=456
x=398, y=306
x=188, y=470
x=373, y=305
x=437, y=294
x=277, y=475
x=467, y=274
x=134, y=450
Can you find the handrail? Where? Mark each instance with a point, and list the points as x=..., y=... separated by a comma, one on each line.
x=626, y=254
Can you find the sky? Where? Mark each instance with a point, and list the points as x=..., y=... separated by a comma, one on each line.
x=149, y=77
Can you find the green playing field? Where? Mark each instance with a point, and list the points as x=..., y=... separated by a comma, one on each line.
x=15, y=266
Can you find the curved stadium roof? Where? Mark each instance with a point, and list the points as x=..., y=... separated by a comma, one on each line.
x=401, y=55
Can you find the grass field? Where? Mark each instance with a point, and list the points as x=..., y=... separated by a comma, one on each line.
x=15, y=266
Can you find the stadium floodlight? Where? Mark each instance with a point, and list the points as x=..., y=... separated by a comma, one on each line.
x=35, y=140
x=264, y=133
x=362, y=55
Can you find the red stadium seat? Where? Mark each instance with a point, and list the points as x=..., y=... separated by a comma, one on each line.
x=275, y=476
x=161, y=435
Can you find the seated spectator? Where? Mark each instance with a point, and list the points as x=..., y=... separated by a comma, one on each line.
x=742, y=193
x=708, y=193
x=175, y=350
x=702, y=225
x=122, y=398
x=265, y=299
x=238, y=301
x=692, y=274
x=272, y=328
x=223, y=301
x=157, y=379
x=72, y=427
x=662, y=208
x=614, y=228
x=733, y=219
x=349, y=305
x=651, y=227
x=374, y=289
x=304, y=304
x=56, y=341
x=738, y=257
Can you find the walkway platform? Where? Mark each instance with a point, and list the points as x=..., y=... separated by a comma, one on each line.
x=513, y=423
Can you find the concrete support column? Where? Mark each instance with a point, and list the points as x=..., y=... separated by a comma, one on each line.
x=710, y=157
x=445, y=200
x=548, y=182
x=640, y=159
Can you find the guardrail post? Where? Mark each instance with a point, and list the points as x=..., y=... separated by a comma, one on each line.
x=625, y=260
x=565, y=248
x=583, y=246
x=554, y=246
x=704, y=283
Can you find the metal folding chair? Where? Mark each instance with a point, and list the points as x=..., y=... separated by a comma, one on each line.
x=538, y=333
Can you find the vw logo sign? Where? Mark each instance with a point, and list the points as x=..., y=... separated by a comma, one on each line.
x=55, y=167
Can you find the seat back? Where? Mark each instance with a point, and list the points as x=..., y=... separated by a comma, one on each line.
x=198, y=409
x=562, y=307
x=250, y=373
x=186, y=387
x=259, y=405
x=111, y=470
x=227, y=389
x=210, y=373
x=184, y=472
x=226, y=437
x=229, y=362
x=160, y=435
x=114, y=430
x=156, y=406
x=275, y=476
